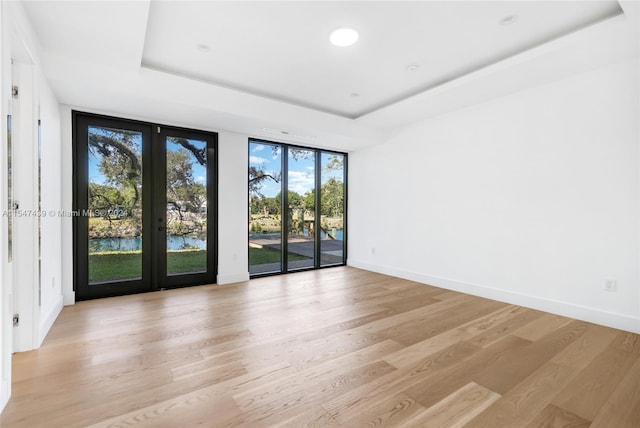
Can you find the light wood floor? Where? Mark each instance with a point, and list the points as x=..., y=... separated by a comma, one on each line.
x=337, y=347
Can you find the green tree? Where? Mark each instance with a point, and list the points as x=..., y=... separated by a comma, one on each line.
x=309, y=201
x=120, y=165
x=257, y=204
x=183, y=192
x=336, y=163
x=108, y=201
x=273, y=204
x=332, y=195
x=294, y=199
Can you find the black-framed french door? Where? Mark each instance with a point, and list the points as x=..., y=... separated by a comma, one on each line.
x=145, y=206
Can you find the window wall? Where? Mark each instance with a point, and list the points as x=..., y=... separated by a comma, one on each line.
x=297, y=208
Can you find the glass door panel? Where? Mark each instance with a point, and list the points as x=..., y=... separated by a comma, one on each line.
x=112, y=204
x=300, y=204
x=265, y=202
x=186, y=209
x=115, y=204
x=332, y=203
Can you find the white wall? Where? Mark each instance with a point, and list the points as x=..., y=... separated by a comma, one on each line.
x=25, y=236
x=5, y=277
x=38, y=304
x=233, y=213
x=531, y=199
x=19, y=279
x=51, y=267
x=233, y=160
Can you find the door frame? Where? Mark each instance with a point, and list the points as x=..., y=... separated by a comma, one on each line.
x=160, y=278
x=154, y=277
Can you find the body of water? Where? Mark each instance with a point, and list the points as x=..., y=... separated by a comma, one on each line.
x=174, y=242
x=338, y=235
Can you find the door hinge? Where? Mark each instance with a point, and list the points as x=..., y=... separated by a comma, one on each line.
x=158, y=129
x=16, y=320
x=14, y=91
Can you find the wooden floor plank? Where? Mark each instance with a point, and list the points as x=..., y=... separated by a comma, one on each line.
x=520, y=317
x=336, y=347
x=316, y=376
x=448, y=380
x=477, y=328
x=521, y=404
x=541, y=327
x=391, y=412
x=622, y=409
x=313, y=417
x=591, y=389
x=272, y=408
x=455, y=410
x=414, y=331
x=555, y=417
x=346, y=406
x=509, y=370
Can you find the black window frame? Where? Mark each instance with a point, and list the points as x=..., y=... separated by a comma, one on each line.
x=284, y=185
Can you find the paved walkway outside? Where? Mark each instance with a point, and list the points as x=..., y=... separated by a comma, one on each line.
x=331, y=252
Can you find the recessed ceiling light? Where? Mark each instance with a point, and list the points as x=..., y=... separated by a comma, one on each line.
x=413, y=67
x=343, y=37
x=201, y=47
x=508, y=20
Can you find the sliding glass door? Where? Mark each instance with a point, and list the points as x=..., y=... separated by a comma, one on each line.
x=332, y=208
x=144, y=211
x=297, y=200
x=265, y=208
x=300, y=203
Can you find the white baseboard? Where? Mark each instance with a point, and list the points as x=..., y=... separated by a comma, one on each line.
x=5, y=394
x=232, y=278
x=69, y=298
x=594, y=315
x=48, y=323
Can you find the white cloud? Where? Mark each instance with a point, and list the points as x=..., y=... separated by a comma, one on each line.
x=201, y=179
x=300, y=182
x=258, y=148
x=256, y=160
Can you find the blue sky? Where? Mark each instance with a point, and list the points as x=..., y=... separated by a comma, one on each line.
x=301, y=171
x=199, y=171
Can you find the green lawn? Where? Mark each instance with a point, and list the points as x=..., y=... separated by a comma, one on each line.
x=125, y=265
x=113, y=266
x=260, y=256
x=186, y=261
x=128, y=265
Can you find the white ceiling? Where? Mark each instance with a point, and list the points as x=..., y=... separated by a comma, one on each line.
x=270, y=66
x=282, y=50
